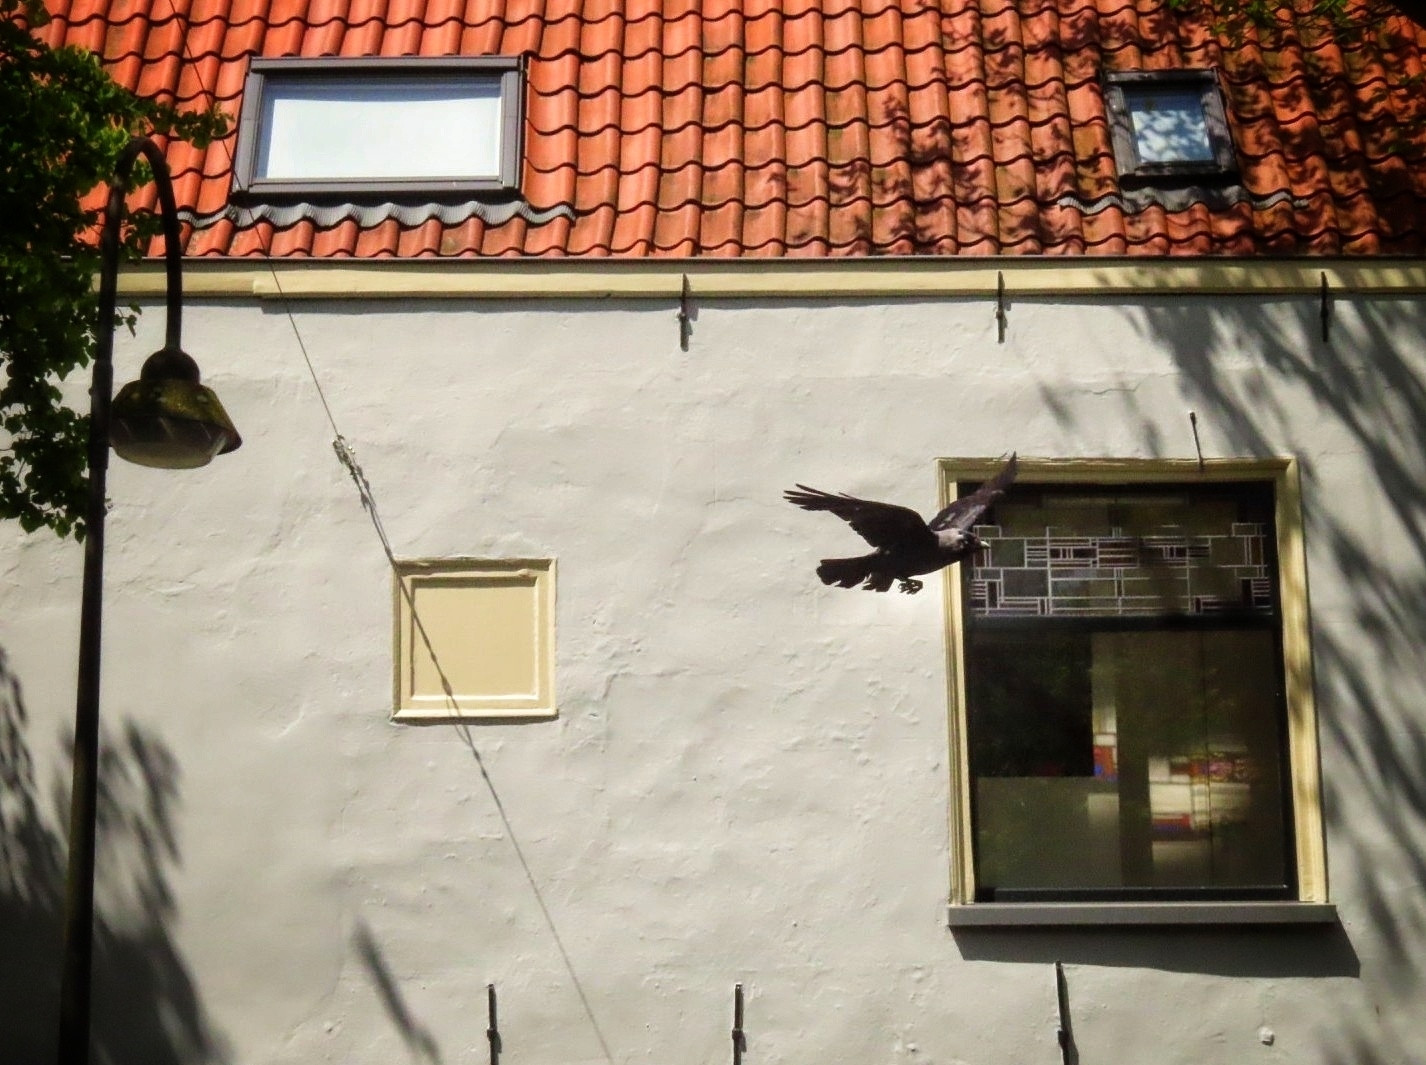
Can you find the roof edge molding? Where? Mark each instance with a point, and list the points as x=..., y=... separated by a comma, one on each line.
x=899, y=278
x=367, y=215
x=1135, y=200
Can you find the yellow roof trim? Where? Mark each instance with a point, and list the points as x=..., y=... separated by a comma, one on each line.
x=749, y=278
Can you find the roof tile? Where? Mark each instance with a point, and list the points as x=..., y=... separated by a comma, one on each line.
x=828, y=127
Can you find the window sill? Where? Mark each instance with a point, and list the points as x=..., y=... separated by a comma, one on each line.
x=1055, y=914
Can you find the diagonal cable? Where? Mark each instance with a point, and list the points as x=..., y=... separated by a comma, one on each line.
x=347, y=457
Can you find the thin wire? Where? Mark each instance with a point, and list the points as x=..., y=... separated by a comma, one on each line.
x=302, y=346
x=347, y=457
x=463, y=730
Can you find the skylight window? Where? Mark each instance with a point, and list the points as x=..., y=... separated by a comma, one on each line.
x=366, y=128
x=1169, y=127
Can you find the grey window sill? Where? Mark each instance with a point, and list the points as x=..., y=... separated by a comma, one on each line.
x=1048, y=914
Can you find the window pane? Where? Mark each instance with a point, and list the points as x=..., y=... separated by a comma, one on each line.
x=1169, y=125
x=1059, y=554
x=344, y=129
x=1126, y=759
x=1125, y=709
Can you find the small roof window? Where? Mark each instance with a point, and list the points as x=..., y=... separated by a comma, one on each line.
x=1169, y=127
x=430, y=128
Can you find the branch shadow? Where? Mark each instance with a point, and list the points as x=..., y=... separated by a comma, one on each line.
x=1351, y=406
x=146, y=1007
x=417, y=1037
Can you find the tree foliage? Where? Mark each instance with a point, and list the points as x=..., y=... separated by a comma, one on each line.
x=63, y=123
x=1271, y=19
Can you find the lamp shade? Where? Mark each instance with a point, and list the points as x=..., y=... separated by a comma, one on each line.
x=167, y=418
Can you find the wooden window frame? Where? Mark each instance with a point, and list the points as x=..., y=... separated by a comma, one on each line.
x=1311, y=897
x=1137, y=172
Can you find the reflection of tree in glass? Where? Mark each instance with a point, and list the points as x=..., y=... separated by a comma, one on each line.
x=1193, y=718
x=1169, y=125
x=1029, y=695
x=146, y=1007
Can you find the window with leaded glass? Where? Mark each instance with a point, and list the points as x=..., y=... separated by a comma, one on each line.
x=1127, y=725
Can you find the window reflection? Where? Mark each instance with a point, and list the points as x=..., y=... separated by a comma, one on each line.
x=1125, y=705
x=383, y=128
x=1169, y=124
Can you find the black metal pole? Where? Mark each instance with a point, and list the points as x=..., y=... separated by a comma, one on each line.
x=74, y=1002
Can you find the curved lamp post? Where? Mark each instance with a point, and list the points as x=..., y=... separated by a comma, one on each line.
x=167, y=419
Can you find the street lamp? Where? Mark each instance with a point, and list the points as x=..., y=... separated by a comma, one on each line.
x=166, y=419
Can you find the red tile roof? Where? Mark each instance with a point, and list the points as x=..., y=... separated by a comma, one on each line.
x=772, y=128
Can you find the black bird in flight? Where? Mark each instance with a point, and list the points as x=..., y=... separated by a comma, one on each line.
x=905, y=545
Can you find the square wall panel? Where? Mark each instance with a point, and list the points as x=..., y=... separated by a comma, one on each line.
x=474, y=639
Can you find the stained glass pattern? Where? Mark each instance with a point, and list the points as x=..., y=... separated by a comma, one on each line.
x=1061, y=572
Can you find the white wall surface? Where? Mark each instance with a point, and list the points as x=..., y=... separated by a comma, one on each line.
x=748, y=780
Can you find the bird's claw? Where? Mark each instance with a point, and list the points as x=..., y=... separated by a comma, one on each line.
x=910, y=586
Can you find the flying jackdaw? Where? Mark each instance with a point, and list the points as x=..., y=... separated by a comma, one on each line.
x=905, y=545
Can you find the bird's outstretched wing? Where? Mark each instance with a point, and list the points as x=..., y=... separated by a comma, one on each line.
x=883, y=525
x=964, y=513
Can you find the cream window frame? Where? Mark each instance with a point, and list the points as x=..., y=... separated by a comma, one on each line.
x=466, y=614
x=1302, y=749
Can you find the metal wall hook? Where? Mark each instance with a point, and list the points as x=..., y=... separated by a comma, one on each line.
x=685, y=314
x=740, y=1042
x=492, y=1033
x=1069, y=1053
x=1326, y=309
x=1000, y=316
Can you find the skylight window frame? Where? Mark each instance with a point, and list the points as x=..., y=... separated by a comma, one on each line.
x=1137, y=172
x=506, y=72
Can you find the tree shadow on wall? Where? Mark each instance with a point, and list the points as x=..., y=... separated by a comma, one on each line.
x=1352, y=407
x=146, y=1009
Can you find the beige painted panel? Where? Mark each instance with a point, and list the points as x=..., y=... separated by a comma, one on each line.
x=474, y=638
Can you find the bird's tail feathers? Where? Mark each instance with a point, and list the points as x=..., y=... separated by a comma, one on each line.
x=850, y=572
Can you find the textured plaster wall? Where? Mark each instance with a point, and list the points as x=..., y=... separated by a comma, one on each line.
x=748, y=778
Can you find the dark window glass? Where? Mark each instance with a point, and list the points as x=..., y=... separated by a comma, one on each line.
x=1125, y=709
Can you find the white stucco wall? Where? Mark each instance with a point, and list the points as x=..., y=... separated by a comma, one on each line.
x=748, y=780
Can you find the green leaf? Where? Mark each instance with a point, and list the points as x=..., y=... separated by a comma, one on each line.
x=63, y=122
